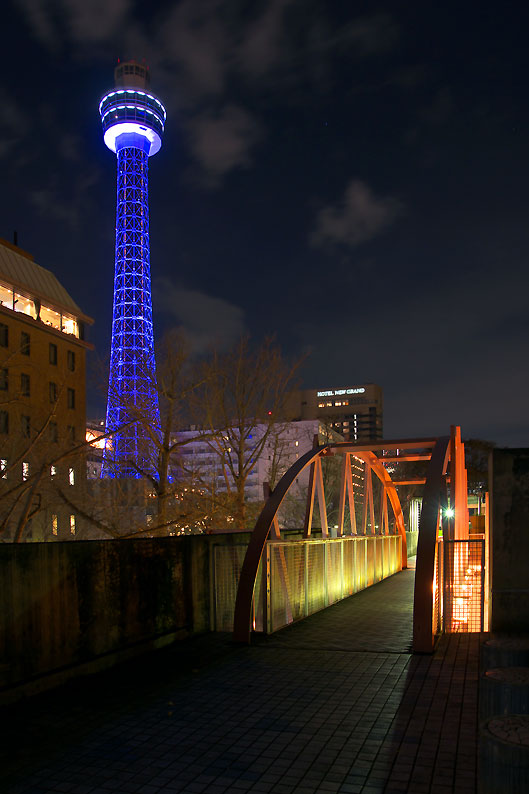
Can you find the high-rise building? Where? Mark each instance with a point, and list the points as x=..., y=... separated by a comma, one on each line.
x=356, y=412
x=133, y=123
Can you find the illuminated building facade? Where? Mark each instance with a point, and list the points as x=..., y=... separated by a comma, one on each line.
x=42, y=398
x=356, y=412
x=133, y=123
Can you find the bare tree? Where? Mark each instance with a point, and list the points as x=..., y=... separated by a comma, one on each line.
x=241, y=398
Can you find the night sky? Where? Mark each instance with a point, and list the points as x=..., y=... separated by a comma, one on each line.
x=351, y=177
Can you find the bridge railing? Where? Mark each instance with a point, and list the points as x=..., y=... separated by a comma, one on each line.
x=298, y=578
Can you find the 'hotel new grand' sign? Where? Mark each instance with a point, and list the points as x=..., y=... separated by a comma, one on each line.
x=341, y=392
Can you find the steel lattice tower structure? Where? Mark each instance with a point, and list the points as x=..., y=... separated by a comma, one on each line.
x=133, y=123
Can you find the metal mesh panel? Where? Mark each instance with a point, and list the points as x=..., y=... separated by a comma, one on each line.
x=227, y=570
x=287, y=582
x=316, y=596
x=379, y=558
x=360, y=564
x=334, y=571
x=349, y=547
x=305, y=576
x=386, y=553
x=370, y=561
x=463, y=585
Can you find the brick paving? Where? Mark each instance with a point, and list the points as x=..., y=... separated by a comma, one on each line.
x=334, y=704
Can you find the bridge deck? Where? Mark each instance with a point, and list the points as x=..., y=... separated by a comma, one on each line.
x=333, y=704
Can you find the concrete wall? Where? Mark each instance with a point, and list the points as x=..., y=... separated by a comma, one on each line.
x=89, y=604
x=510, y=540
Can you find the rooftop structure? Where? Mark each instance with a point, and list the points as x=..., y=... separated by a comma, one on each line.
x=354, y=411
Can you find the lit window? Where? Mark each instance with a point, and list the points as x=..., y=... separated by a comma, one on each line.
x=53, y=471
x=3, y=468
x=297, y=443
x=72, y=525
x=71, y=476
x=24, y=305
x=6, y=297
x=69, y=325
x=50, y=317
x=338, y=403
x=54, y=524
x=25, y=470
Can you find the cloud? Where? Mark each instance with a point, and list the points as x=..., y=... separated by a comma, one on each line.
x=54, y=203
x=14, y=124
x=223, y=141
x=359, y=217
x=206, y=321
x=85, y=22
x=370, y=35
x=263, y=44
x=96, y=20
x=194, y=39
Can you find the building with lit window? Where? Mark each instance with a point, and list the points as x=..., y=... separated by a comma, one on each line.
x=356, y=412
x=42, y=399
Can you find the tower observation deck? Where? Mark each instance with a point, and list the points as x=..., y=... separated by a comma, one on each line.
x=133, y=123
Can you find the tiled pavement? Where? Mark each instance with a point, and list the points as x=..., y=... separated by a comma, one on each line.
x=333, y=704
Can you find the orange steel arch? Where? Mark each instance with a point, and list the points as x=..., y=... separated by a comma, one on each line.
x=434, y=499
x=268, y=519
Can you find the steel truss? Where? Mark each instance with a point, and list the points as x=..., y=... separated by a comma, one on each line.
x=133, y=416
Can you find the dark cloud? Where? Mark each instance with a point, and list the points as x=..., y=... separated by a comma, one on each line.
x=207, y=322
x=264, y=42
x=83, y=22
x=357, y=218
x=222, y=142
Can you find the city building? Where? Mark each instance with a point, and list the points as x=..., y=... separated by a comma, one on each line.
x=355, y=412
x=133, y=123
x=42, y=399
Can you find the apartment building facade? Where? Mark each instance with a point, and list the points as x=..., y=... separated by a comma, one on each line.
x=42, y=400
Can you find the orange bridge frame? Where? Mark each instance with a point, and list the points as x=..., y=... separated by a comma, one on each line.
x=446, y=474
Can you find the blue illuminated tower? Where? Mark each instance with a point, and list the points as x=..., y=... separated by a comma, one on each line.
x=133, y=123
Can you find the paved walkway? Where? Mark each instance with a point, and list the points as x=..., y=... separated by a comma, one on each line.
x=333, y=704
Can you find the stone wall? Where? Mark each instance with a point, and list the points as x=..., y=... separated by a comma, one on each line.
x=91, y=603
x=510, y=540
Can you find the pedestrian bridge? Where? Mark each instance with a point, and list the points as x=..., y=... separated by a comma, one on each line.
x=283, y=580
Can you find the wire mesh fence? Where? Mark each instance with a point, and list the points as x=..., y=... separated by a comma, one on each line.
x=463, y=585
